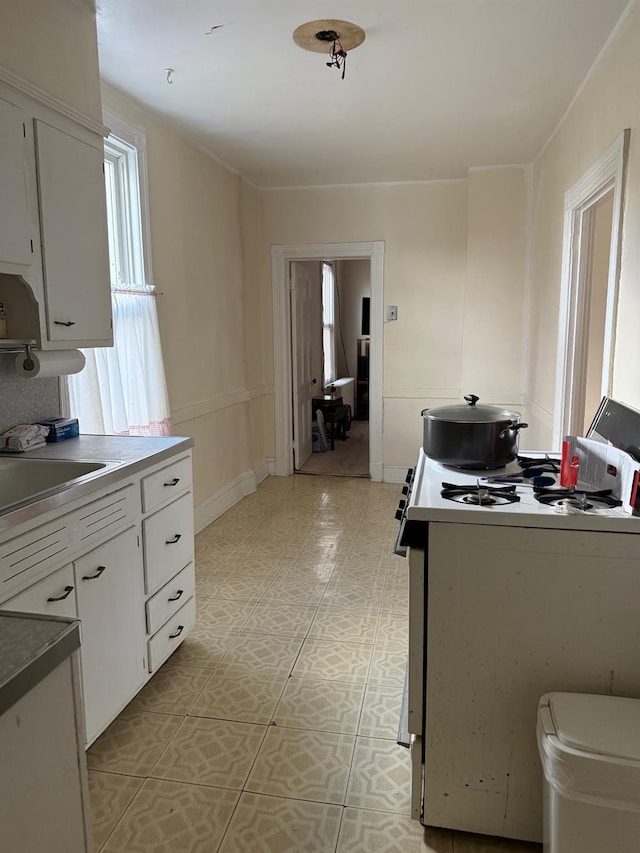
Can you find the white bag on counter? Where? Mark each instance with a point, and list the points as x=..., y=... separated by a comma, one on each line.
x=24, y=437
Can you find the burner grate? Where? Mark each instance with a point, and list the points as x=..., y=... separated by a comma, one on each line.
x=577, y=498
x=480, y=495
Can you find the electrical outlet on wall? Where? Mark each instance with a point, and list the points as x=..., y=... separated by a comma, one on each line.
x=392, y=312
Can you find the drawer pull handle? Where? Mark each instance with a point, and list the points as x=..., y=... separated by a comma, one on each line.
x=176, y=596
x=99, y=571
x=62, y=323
x=173, y=482
x=175, y=539
x=67, y=592
x=177, y=633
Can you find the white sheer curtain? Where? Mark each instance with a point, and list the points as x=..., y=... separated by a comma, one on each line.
x=122, y=389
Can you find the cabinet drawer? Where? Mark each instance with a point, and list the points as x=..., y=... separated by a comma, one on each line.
x=54, y=595
x=168, y=542
x=170, y=598
x=169, y=637
x=160, y=487
x=104, y=517
x=33, y=553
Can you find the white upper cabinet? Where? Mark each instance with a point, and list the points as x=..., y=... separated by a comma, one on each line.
x=73, y=227
x=54, y=247
x=15, y=237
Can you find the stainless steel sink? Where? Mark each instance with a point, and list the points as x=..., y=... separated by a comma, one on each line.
x=24, y=480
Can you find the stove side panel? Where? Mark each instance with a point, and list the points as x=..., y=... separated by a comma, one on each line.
x=513, y=614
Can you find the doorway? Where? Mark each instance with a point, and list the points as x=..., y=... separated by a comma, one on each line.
x=589, y=291
x=330, y=345
x=282, y=318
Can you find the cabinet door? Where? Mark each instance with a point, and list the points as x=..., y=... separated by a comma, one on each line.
x=15, y=234
x=73, y=228
x=110, y=588
x=54, y=595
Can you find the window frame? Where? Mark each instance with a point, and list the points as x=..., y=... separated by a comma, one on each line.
x=329, y=323
x=126, y=150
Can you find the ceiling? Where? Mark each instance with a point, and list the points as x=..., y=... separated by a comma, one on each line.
x=437, y=87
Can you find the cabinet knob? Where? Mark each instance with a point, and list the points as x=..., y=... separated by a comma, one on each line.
x=99, y=571
x=63, y=323
x=67, y=592
x=175, y=539
x=179, y=631
x=176, y=596
x=173, y=482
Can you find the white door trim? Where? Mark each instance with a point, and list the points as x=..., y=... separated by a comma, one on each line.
x=607, y=174
x=280, y=257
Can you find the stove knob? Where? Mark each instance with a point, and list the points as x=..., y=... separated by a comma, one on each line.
x=399, y=515
x=402, y=504
x=407, y=479
x=405, y=490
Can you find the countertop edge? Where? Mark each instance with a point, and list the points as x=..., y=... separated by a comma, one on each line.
x=44, y=661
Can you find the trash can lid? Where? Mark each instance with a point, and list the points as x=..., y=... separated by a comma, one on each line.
x=605, y=725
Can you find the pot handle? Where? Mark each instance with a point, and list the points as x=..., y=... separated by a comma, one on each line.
x=422, y=413
x=512, y=427
x=471, y=399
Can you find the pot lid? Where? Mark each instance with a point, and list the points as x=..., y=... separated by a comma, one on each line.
x=471, y=412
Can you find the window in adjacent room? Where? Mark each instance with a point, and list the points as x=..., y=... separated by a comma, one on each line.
x=328, y=323
x=122, y=389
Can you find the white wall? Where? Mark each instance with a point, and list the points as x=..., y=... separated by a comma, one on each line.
x=607, y=104
x=204, y=233
x=428, y=356
x=53, y=44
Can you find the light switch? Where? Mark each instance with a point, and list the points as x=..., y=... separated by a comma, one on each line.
x=392, y=312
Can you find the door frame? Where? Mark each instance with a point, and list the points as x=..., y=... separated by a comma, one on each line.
x=281, y=255
x=607, y=174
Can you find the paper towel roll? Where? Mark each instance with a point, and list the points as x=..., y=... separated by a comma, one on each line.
x=50, y=363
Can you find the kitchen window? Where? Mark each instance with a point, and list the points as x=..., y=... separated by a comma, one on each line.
x=328, y=323
x=122, y=389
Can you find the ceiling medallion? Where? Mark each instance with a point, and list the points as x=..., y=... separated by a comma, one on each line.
x=339, y=36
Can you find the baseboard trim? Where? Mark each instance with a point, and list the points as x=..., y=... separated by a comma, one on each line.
x=222, y=500
x=395, y=473
x=226, y=497
x=267, y=468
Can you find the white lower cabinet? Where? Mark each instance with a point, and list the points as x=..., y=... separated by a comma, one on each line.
x=110, y=589
x=134, y=610
x=43, y=795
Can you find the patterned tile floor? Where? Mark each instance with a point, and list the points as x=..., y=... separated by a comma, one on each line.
x=273, y=726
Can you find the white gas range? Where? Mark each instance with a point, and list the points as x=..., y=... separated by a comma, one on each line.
x=507, y=602
x=429, y=500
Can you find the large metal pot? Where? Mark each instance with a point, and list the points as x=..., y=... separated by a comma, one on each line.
x=471, y=436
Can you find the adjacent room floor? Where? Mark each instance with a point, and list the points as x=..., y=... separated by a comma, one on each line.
x=273, y=727
x=349, y=458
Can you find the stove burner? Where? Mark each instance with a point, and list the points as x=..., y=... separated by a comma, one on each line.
x=551, y=466
x=577, y=499
x=479, y=498
x=480, y=495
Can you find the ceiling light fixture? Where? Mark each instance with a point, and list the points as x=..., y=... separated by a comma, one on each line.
x=340, y=36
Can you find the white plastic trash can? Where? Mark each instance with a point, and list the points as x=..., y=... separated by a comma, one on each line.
x=590, y=751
